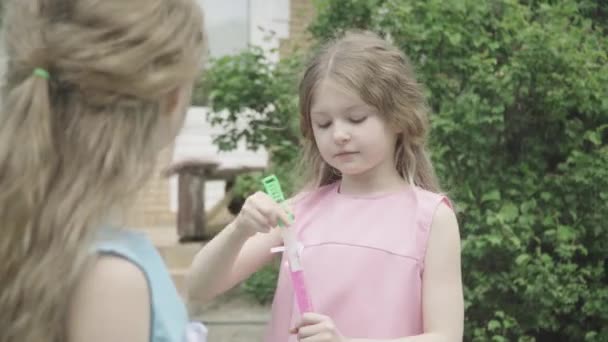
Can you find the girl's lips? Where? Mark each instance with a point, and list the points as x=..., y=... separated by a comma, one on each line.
x=343, y=154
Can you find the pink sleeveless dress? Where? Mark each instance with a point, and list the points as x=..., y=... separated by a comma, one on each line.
x=363, y=258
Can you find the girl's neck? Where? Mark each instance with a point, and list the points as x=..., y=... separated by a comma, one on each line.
x=371, y=183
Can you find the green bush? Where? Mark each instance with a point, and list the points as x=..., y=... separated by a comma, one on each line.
x=256, y=101
x=261, y=285
x=519, y=92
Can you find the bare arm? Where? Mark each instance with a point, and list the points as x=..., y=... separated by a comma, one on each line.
x=239, y=250
x=111, y=303
x=442, y=295
x=227, y=260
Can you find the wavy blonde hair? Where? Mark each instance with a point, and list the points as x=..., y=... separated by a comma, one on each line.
x=76, y=146
x=382, y=76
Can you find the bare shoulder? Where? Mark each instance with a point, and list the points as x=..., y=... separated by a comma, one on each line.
x=442, y=278
x=444, y=235
x=444, y=218
x=111, y=302
x=111, y=267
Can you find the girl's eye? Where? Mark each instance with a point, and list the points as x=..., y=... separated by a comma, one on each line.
x=358, y=120
x=324, y=125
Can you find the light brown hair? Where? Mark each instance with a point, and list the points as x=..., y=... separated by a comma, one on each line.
x=75, y=147
x=382, y=76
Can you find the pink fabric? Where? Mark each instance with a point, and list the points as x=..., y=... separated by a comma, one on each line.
x=363, y=259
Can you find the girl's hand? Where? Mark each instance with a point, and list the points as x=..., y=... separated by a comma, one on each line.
x=317, y=328
x=259, y=214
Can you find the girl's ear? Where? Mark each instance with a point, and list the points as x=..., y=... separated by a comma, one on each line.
x=397, y=130
x=173, y=101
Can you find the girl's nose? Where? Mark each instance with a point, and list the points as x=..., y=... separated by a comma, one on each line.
x=341, y=136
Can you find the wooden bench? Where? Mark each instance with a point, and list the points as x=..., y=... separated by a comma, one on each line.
x=192, y=174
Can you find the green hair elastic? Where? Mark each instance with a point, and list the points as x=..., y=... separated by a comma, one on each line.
x=39, y=72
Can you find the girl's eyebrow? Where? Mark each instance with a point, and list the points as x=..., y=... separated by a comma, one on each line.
x=350, y=108
x=345, y=110
x=318, y=113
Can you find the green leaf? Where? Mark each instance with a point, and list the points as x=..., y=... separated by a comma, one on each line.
x=494, y=325
x=522, y=259
x=509, y=212
x=493, y=195
x=494, y=239
x=546, y=196
x=565, y=233
x=594, y=137
x=454, y=38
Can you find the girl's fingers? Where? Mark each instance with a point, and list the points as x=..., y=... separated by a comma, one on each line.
x=259, y=221
x=309, y=318
x=273, y=211
x=264, y=205
x=310, y=330
x=284, y=216
x=251, y=218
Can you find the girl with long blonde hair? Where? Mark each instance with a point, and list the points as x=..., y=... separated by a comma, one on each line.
x=380, y=246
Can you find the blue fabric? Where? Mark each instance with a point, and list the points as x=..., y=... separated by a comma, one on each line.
x=169, y=316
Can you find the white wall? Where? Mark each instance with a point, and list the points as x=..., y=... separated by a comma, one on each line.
x=234, y=24
x=231, y=26
x=269, y=16
x=227, y=25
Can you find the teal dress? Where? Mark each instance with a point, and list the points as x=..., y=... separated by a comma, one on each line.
x=169, y=317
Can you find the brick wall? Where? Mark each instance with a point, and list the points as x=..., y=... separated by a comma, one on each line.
x=302, y=12
x=152, y=208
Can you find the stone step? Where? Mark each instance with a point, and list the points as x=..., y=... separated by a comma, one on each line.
x=234, y=317
x=179, y=256
x=179, y=279
x=161, y=236
x=236, y=332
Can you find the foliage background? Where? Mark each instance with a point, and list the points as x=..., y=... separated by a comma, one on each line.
x=519, y=92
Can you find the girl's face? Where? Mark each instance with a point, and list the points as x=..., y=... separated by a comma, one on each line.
x=351, y=136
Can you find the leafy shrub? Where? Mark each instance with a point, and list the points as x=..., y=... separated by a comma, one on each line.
x=519, y=92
